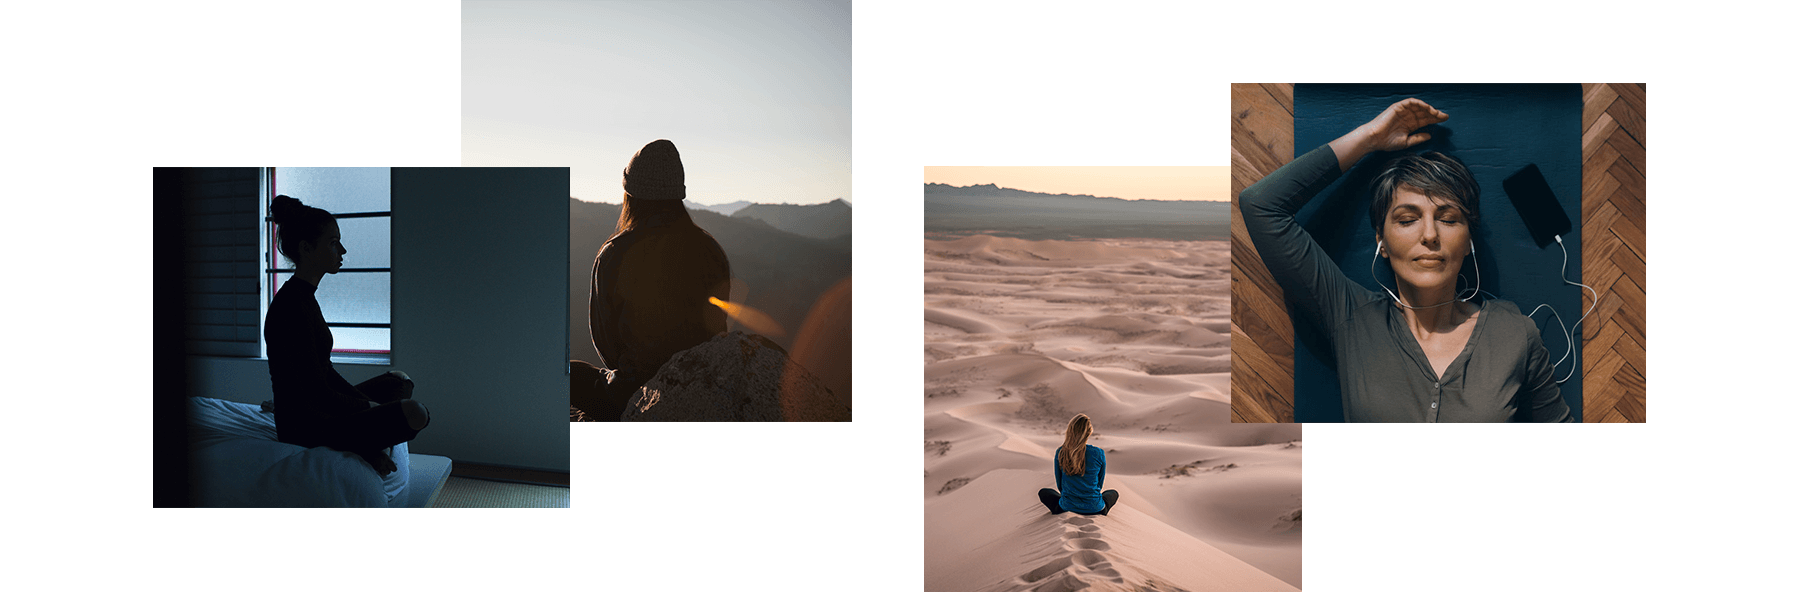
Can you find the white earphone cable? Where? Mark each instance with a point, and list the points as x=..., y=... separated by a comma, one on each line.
x=1396, y=297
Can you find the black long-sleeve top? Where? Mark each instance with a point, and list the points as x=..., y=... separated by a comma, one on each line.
x=308, y=390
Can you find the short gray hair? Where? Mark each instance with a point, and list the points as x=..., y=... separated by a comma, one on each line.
x=1432, y=173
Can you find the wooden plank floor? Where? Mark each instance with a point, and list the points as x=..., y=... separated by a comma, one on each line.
x=1612, y=252
x=1612, y=257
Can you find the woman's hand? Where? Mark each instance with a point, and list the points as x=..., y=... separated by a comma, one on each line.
x=1393, y=129
x=387, y=467
x=381, y=462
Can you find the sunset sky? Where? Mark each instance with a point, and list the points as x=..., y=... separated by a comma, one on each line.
x=1166, y=183
x=755, y=95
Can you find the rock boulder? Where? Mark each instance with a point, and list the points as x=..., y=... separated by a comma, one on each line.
x=735, y=377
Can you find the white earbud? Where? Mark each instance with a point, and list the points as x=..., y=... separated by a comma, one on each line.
x=1568, y=332
x=1378, y=254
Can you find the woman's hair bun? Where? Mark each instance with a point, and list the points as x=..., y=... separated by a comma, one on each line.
x=284, y=209
x=296, y=222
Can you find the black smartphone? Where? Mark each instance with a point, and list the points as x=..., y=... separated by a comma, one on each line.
x=1531, y=195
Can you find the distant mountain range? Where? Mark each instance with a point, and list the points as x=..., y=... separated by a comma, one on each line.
x=826, y=220
x=1003, y=211
x=726, y=209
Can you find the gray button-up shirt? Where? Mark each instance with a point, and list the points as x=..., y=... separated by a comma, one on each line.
x=1503, y=373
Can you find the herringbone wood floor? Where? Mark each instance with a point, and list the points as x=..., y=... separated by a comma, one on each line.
x=1612, y=258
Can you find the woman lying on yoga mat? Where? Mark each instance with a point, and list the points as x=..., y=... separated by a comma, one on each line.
x=1080, y=474
x=314, y=405
x=1421, y=352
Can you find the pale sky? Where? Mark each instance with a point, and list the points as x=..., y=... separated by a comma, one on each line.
x=1166, y=183
x=755, y=95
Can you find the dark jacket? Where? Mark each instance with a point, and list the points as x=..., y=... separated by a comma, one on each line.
x=649, y=299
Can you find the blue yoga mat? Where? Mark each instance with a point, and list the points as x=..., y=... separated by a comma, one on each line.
x=1496, y=129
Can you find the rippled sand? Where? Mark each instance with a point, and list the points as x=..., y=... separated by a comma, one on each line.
x=1019, y=336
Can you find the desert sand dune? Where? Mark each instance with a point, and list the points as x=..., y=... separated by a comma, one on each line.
x=1019, y=336
x=1125, y=550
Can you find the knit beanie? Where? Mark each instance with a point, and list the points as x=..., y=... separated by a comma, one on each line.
x=655, y=173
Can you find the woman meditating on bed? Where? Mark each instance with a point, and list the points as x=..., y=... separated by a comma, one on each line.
x=314, y=405
x=1080, y=471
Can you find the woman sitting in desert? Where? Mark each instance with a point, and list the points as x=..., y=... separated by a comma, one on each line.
x=1080, y=470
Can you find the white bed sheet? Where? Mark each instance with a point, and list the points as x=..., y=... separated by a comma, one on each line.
x=237, y=462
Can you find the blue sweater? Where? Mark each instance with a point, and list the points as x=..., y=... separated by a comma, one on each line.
x=1081, y=493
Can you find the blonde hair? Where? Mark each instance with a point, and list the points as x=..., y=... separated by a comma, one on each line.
x=1074, y=449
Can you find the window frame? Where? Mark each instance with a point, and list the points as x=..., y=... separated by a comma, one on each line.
x=270, y=270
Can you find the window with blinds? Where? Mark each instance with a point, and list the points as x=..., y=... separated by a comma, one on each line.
x=224, y=310
x=356, y=300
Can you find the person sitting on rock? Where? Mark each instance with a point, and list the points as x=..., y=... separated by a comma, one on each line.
x=652, y=285
x=1080, y=474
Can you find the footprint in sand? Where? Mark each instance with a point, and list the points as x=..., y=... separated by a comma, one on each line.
x=1080, y=563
